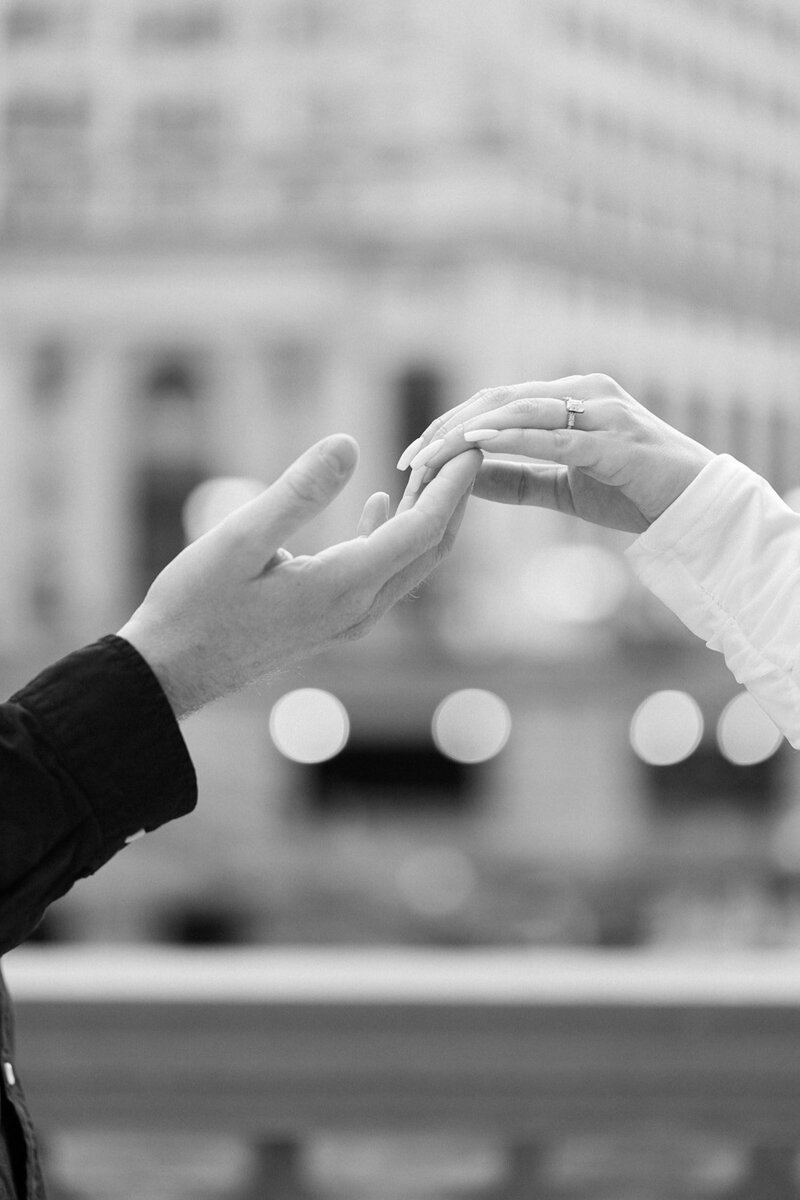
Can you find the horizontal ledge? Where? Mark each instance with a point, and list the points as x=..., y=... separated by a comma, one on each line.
x=383, y=975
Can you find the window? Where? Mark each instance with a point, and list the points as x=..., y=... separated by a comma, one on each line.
x=702, y=75
x=179, y=26
x=177, y=154
x=293, y=370
x=572, y=23
x=172, y=378
x=420, y=399
x=31, y=22
x=659, y=56
x=172, y=400
x=47, y=162
x=172, y=390
x=161, y=492
x=49, y=373
x=303, y=21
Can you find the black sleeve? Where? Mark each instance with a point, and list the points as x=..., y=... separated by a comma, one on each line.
x=90, y=753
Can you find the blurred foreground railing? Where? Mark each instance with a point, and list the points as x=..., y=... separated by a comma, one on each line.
x=276, y=1044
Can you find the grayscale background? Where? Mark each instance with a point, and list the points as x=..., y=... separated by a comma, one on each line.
x=229, y=227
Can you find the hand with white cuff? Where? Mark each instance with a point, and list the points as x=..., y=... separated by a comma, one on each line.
x=601, y=455
x=235, y=605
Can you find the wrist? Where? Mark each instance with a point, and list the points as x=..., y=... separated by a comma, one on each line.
x=686, y=471
x=179, y=687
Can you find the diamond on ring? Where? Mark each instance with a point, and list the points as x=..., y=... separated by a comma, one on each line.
x=573, y=406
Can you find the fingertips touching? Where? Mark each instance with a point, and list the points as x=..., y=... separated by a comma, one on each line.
x=424, y=455
x=457, y=475
x=440, y=426
x=433, y=457
x=476, y=410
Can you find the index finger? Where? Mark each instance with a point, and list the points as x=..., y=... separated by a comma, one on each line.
x=410, y=534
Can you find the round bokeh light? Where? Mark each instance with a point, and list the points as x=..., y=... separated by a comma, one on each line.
x=471, y=725
x=309, y=725
x=745, y=734
x=666, y=728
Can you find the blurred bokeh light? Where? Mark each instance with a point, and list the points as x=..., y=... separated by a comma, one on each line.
x=666, y=728
x=471, y=725
x=745, y=734
x=309, y=725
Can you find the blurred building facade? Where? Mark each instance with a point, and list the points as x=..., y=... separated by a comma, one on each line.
x=229, y=228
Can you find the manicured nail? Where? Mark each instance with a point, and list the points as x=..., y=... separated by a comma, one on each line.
x=426, y=453
x=341, y=455
x=481, y=435
x=405, y=458
x=415, y=480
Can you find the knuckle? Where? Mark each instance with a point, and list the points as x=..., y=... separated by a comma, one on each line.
x=479, y=395
x=524, y=407
x=617, y=410
x=600, y=382
x=501, y=395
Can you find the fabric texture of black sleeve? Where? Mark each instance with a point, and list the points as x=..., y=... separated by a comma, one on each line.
x=90, y=753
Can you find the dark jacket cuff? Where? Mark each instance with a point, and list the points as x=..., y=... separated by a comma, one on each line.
x=105, y=717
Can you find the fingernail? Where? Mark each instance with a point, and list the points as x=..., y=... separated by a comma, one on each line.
x=481, y=435
x=426, y=454
x=340, y=458
x=407, y=455
x=415, y=480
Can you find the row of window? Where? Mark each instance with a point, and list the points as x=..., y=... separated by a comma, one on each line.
x=37, y=125
x=666, y=59
x=293, y=369
x=688, y=235
x=190, y=207
x=774, y=21
x=630, y=135
x=179, y=26
x=182, y=381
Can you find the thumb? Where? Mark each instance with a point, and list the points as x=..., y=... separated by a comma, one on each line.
x=303, y=490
